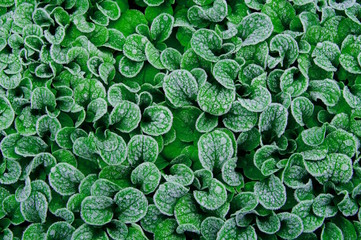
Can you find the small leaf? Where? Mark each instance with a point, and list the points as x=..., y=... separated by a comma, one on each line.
x=132, y=205
x=96, y=210
x=271, y=193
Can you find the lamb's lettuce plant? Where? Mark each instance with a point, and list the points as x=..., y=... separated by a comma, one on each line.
x=187, y=119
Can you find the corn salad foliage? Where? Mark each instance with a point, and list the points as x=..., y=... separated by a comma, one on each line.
x=180, y=119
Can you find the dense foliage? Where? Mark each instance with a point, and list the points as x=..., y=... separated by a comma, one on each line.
x=180, y=119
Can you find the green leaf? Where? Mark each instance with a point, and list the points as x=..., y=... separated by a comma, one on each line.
x=330, y=93
x=271, y=193
x=34, y=209
x=161, y=27
x=225, y=72
x=111, y=148
x=117, y=230
x=229, y=174
x=268, y=224
x=181, y=174
x=152, y=218
x=231, y=231
x=210, y=227
x=287, y=48
x=96, y=110
x=129, y=68
x=258, y=100
x=132, y=205
x=293, y=82
x=215, y=99
x=157, y=120
x=322, y=206
x=331, y=231
x=187, y=215
x=214, y=149
x=180, y=88
x=274, y=119
x=206, y=43
x=147, y=176
x=167, y=230
x=60, y=231
x=35, y=231
x=291, y=225
x=12, y=174
x=7, y=113
x=29, y=146
x=125, y=116
x=206, y=122
x=326, y=55
x=301, y=109
x=134, y=47
x=310, y=221
x=109, y=9
x=255, y=28
x=153, y=56
x=167, y=195
x=314, y=136
x=65, y=178
x=239, y=119
x=212, y=199
x=171, y=59
x=96, y=210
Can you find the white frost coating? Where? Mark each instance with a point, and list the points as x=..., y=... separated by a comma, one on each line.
x=271, y=193
x=274, y=118
x=215, y=99
x=255, y=28
x=160, y=120
x=167, y=195
x=132, y=205
x=142, y=148
x=214, y=149
x=180, y=88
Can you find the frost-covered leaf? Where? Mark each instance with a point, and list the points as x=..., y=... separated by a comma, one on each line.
x=326, y=90
x=97, y=210
x=229, y=174
x=7, y=114
x=157, y=120
x=142, y=148
x=214, y=149
x=171, y=59
x=301, y=109
x=147, y=176
x=274, y=119
x=125, y=116
x=271, y=193
x=291, y=225
x=65, y=178
x=310, y=221
x=134, y=47
x=225, y=72
x=129, y=68
x=167, y=195
x=326, y=56
x=287, y=48
x=132, y=205
x=161, y=27
x=258, y=100
x=212, y=199
x=187, y=215
x=255, y=28
x=215, y=99
x=230, y=230
x=206, y=43
x=239, y=119
x=331, y=231
x=180, y=88
x=210, y=227
x=60, y=231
